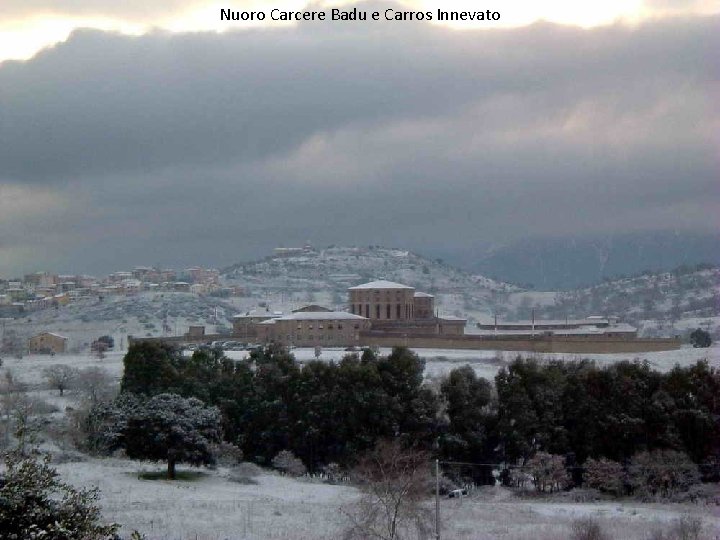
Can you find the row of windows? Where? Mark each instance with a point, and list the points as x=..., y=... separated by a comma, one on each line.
x=370, y=295
x=329, y=326
x=409, y=311
x=310, y=337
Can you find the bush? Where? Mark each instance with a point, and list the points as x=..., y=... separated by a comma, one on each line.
x=587, y=529
x=604, y=475
x=244, y=473
x=684, y=528
x=662, y=473
x=35, y=504
x=286, y=461
x=227, y=454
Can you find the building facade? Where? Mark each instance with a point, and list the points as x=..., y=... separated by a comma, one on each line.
x=310, y=329
x=47, y=343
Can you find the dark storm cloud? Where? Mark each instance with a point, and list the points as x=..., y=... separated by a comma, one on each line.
x=212, y=148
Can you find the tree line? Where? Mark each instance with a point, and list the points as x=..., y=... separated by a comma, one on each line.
x=333, y=412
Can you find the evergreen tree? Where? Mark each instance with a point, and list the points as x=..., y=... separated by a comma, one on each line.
x=35, y=504
x=169, y=428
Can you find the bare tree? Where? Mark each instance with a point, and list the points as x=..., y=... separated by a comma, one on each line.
x=17, y=418
x=60, y=376
x=395, y=482
x=95, y=384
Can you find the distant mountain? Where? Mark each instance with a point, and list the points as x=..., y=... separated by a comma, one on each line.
x=568, y=263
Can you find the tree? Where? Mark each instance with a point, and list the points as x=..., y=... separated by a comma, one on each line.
x=60, y=377
x=604, y=475
x=662, y=472
x=170, y=428
x=700, y=338
x=467, y=399
x=395, y=481
x=150, y=368
x=35, y=504
x=95, y=384
x=548, y=472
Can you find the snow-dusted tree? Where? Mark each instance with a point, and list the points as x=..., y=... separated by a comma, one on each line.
x=604, y=475
x=95, y=384
x=170, y=428
x=548, y=472
x=60, y=377
x=662, y=472
x=34, y=504
x=286, y=461
x=395, y=482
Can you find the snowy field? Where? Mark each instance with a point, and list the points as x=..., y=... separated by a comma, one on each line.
x=438, y=361
x=214, y=507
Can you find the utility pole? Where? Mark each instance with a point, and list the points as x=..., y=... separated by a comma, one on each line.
x=437, y=499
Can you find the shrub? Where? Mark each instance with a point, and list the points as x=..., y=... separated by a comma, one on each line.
x=244, y=473
x=587, y=529
x=684, y=528
x=286, y=461
x=604, y=475
x=662, y=473
x=35, y=504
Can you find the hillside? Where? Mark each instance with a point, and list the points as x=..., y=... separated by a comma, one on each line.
x=666, y=302
x=569, y=263
x=324, y=276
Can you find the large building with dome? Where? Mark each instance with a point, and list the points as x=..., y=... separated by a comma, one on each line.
x=375, y=309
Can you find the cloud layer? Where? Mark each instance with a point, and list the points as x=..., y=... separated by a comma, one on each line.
x=204, y=147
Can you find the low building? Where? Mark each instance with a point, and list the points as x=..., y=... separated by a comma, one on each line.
x=589, y=326
x=47, y=343
x=313, y=328
x=245, y=325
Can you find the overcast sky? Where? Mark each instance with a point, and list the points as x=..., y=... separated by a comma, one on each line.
x=179, y=147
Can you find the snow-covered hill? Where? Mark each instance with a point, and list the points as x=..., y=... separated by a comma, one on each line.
x=665, y=303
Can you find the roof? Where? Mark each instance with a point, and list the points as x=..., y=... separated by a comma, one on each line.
x=316, y=316
x=50, y=334
x=320, y=316
x=419, y=294
x=311, y=307
x=380, y=284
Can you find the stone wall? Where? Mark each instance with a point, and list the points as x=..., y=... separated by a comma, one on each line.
x=545, y=344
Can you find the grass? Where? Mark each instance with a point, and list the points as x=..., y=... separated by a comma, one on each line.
x=184, y=476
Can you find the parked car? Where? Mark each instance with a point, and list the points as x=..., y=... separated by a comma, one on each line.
x=456, y=493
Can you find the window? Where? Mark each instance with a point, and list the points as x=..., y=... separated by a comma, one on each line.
x=377, y=311
x=330, y=326
x=320, y=326
x=367, y=311
x=399, y=311
x=339, y=326
x=388, y=315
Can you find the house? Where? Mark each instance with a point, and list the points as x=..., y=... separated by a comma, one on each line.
x=47, y=343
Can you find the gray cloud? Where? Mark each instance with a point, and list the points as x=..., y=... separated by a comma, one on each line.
x=215, y=147
x=127, y=9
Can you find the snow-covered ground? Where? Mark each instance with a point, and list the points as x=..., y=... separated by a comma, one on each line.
x=437, y=361
x=213, y=507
